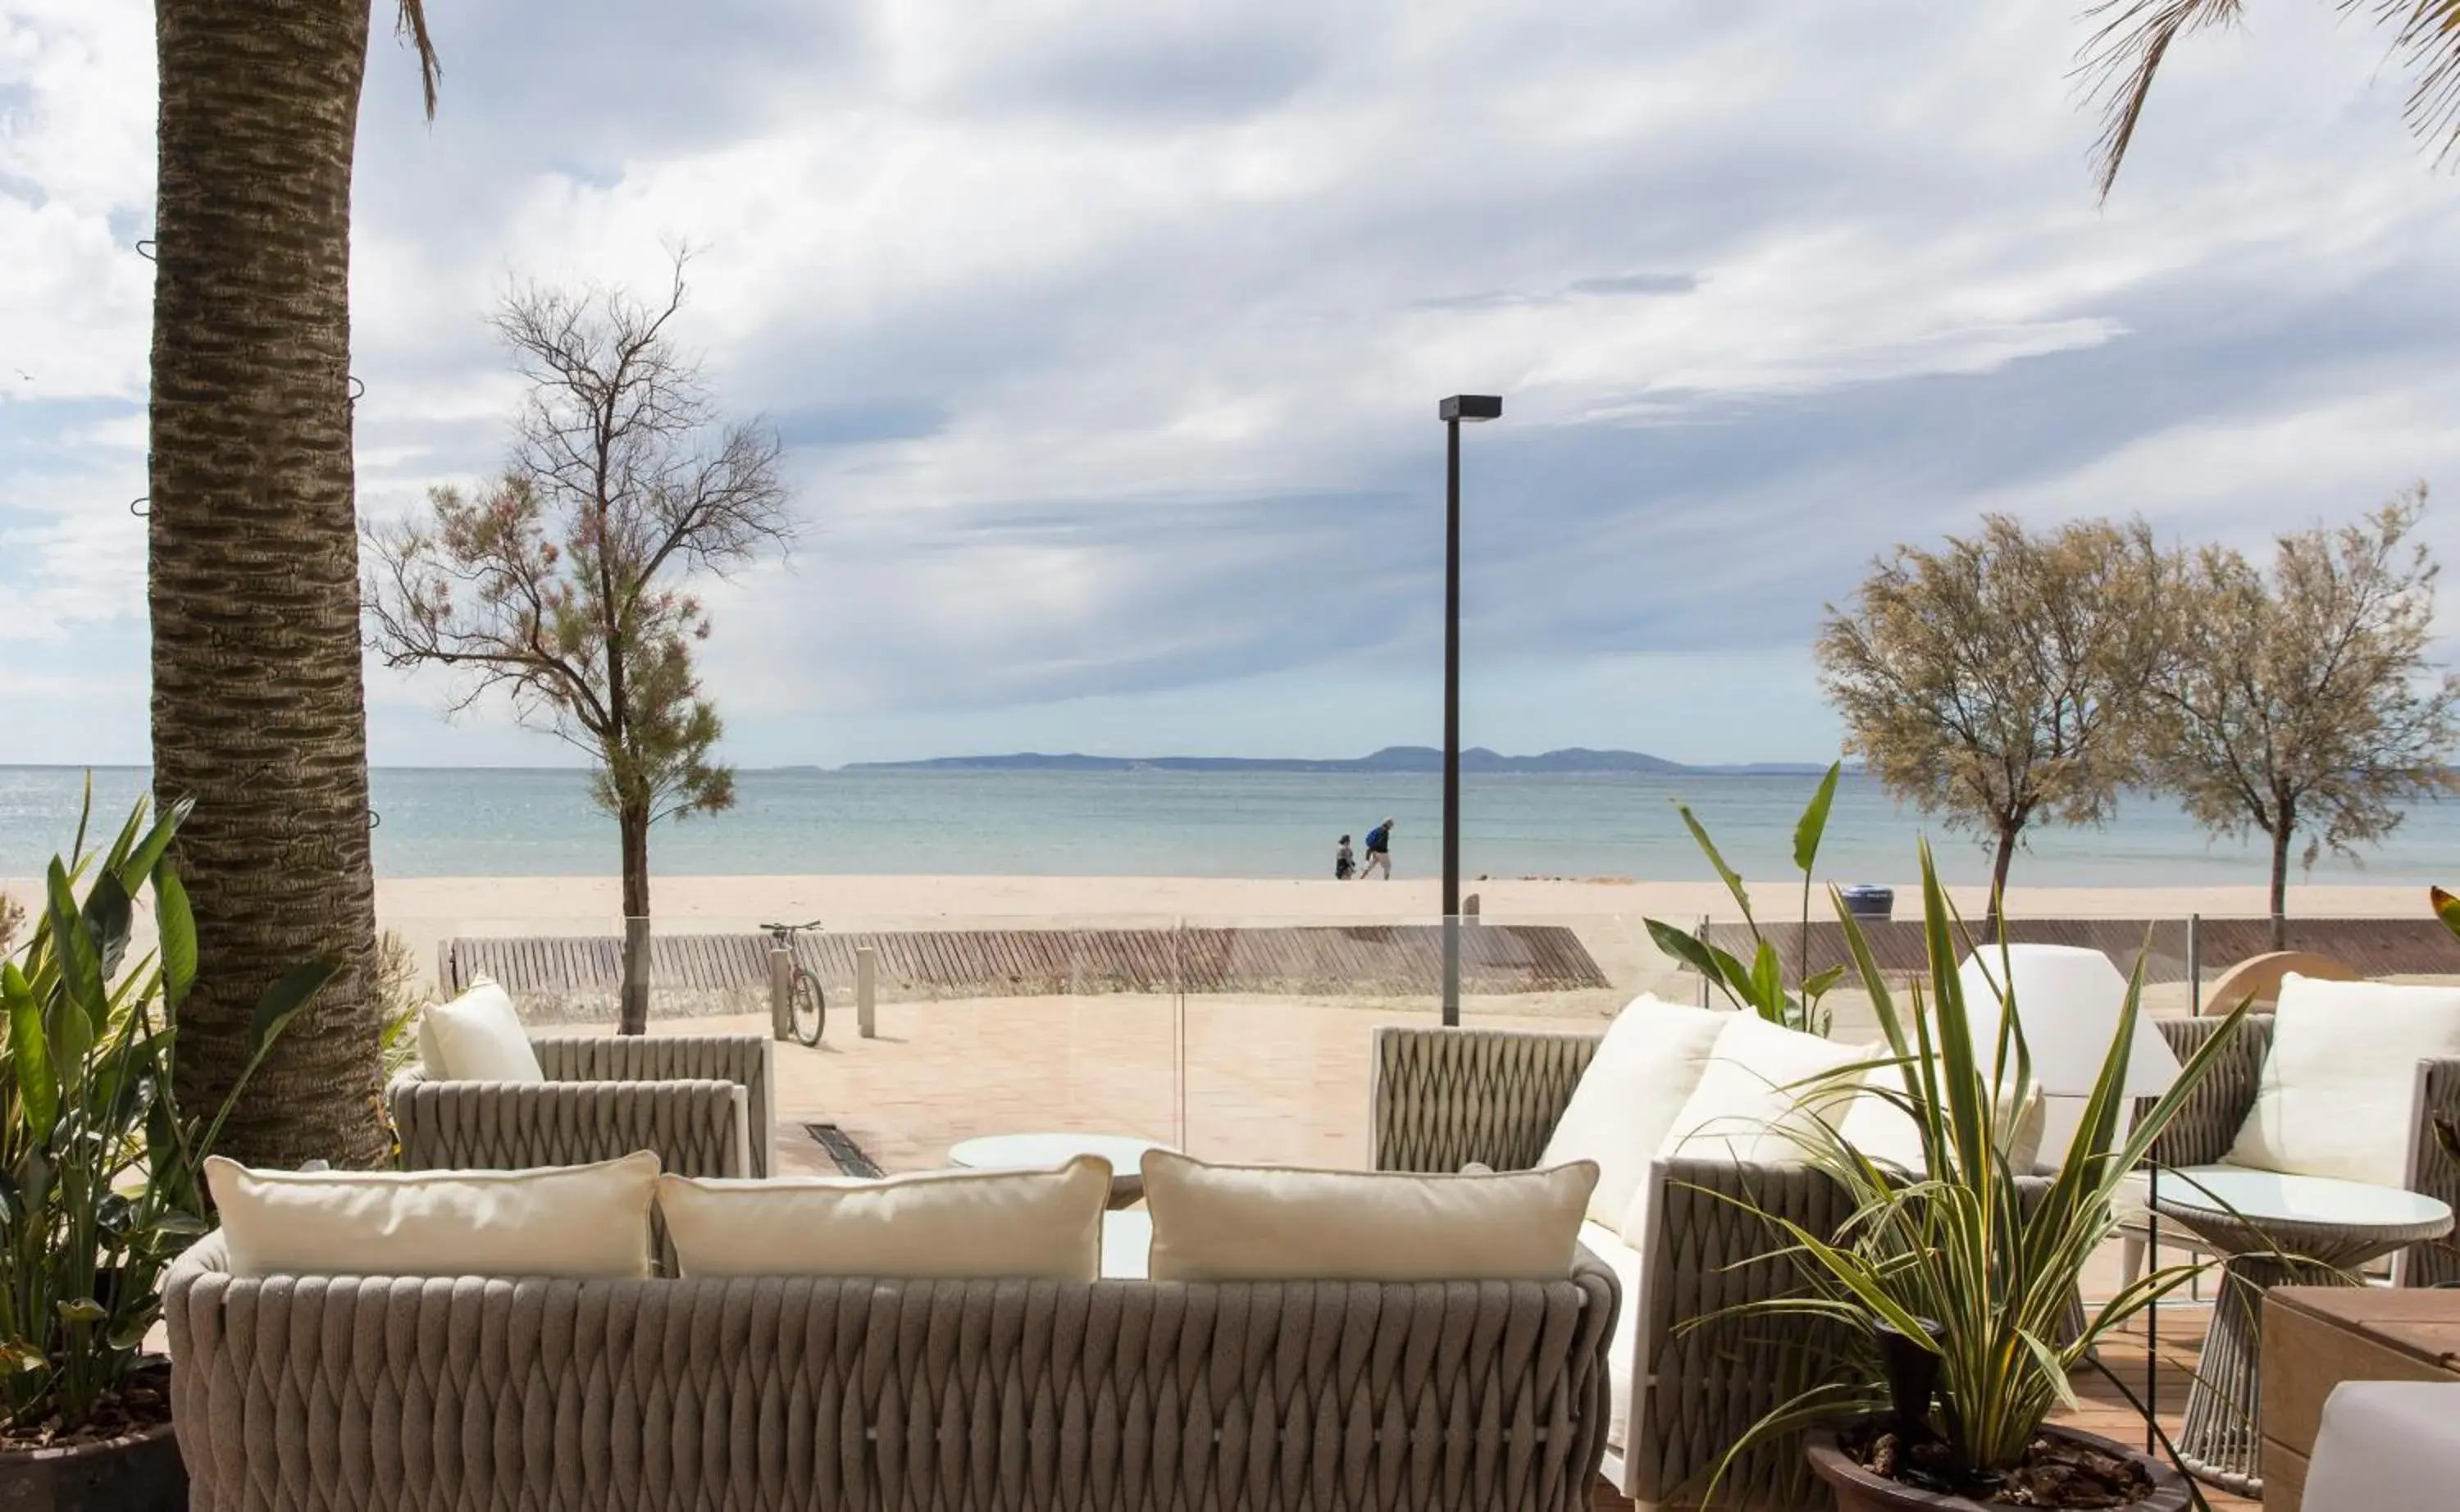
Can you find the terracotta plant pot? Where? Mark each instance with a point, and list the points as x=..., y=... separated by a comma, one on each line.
x=139, y=1473
x=1859, y=1490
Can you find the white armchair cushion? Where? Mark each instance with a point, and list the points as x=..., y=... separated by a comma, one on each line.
x=2338, y=1090
x=1762, y=1093
x=1243, y=1223
x=1645, y=1067
x=577, y=1223
x=985, y=1225
x=478, y=1037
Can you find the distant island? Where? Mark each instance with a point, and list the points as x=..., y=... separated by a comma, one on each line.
x=1578, y=761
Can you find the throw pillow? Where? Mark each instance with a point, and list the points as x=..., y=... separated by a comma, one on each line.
x=1240, y=1222
x=479, y=1037
x=1877, y=1126
x=580, y=1222
x=970, y=1225
x=2338, y=1090
x=1645, y=1066
x=1764, y=1088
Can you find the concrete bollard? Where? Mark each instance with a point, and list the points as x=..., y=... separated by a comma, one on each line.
x=866, y=991
x=781, y=989
x=1469, y=909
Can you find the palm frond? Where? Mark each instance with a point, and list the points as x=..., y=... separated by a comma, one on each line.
x=2124, y=56
x=2128, y=48
x=412, y=26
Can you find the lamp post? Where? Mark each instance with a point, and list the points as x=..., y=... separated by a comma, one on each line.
x=1453, y=411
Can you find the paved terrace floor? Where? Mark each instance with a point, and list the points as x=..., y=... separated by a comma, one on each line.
x=1270, y=1079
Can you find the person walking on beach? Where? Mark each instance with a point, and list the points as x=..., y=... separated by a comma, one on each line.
x=1379, y=851
x=1345, y=864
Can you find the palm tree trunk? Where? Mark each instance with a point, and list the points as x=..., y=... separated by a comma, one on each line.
x=259, y=714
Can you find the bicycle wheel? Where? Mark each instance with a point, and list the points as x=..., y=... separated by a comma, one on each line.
x=809, y=1007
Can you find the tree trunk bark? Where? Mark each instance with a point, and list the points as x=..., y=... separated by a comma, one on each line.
x=252, y=550
x=1999, y=865
x=2280, y=886
x=632, y=822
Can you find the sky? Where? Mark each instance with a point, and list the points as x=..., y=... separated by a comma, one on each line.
x=1106, y=340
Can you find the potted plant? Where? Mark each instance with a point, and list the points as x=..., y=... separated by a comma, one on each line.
x=100, y=1173
x=1957, y=1287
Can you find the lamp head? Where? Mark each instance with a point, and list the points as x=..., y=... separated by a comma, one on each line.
x=2069, y=1000
x=1472, y=407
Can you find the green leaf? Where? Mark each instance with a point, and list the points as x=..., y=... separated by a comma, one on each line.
x=22, y=1357
x=1818, y=986
x=281, y=1002
x=81, y=1310
x=1815, y=819
x=147, y=854
x=38, y=1089
x=108, y=912
x=1732, y=879
x=1684, y=946
x=1767, y=984
x=2446, y=908
x=72, y=944
x=176, y=924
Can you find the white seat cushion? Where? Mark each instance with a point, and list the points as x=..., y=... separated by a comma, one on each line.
x=1245, y=1223
x=1622, y=1356
x=986, y=1225
x=577, y=1223
x=2337, y=1093
x=478, y=1037
x=2386, y=1446
x=1762, y=1093
x=1645, y=1067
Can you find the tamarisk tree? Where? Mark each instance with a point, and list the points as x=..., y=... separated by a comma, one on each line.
x=2301, y=702
x=563, y=582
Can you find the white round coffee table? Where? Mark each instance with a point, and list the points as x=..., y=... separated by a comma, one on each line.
x=1047, y=1152
x=2272, y=1230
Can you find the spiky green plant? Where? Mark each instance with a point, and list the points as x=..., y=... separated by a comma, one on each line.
x=1758, y=986
x=100, y=1170
x=1974, y=1260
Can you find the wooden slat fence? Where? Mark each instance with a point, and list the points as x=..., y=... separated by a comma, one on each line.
x=1321, y=961
x=2373, y=947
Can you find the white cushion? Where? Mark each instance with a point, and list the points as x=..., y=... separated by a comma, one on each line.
x=1878, y=1128
x=1233, y=1222
x=1762, y=1093
x=1645, y=1065
x=1029, y=1226
x=582, y=1223
x=478, y=1037
x=1623, y=1354
x=2338, y=1092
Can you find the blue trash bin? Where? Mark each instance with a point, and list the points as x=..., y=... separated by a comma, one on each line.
x=1868, y=902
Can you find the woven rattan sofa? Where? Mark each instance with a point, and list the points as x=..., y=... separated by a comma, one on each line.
x=1685, y=1395
x=375, y=1394
x=702, y=1101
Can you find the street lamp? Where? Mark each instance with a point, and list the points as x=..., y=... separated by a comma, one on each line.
x=1453, y=412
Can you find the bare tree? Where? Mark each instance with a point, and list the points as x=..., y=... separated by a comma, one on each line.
x=2303, y=704
x=1997, y=682
x=560, y=583
x=2132, y=39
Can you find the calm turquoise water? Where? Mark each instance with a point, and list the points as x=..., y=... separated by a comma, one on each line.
x=531, y=823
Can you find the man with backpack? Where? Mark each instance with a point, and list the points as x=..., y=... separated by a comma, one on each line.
x=1379, y=852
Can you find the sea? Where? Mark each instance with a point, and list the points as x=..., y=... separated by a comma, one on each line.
x=540, y=822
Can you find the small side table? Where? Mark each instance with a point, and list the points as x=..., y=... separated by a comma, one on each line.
x=2272, y=1230
x=1046, y=1152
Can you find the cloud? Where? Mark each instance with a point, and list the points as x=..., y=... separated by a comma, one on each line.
x=1106, y=338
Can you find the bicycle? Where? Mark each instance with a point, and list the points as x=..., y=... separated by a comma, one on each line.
x=807, y=1007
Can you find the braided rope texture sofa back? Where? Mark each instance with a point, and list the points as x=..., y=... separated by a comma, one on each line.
x=383, y=1395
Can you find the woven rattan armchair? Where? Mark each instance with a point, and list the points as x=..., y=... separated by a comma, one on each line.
x=2205, y=1129
x=320, y=1393
x=702, y=1101
x=1688, y=1385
